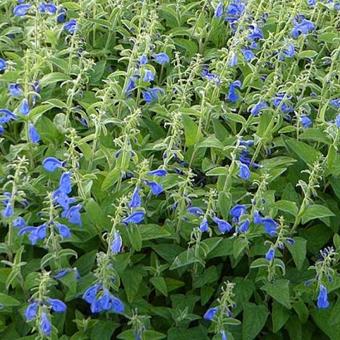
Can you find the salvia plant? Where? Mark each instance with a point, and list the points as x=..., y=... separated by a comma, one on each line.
x=169, y=169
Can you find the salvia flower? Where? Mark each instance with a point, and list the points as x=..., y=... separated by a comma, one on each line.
x=148, y=76
x=65, y=184
x=71, y=26
x=24, y=108
x=219, y=10
x=244, y=226
x=48, y=8
x=143, y=59
x=3, y=64
x=258, y=107
x=35, y=234
x=234, y=11
x=45, y=324
x=135, y=217
x=15, y=90
x=233, y=60
x=135, y=200
x=33, y=134
x=237, y=211
x=116, y=243
x=31, y=311
x=244, y=171
x=210, y=313
x=158, y=172
x=337, y=121
x=156, y=188
x=302, y=28
x=248, y=54
x=61, y=16
x=195, y=211
x=161, y=58
x=51, y=164
x=222, y=225
x=232, y=94
x=204, y=226
x=335, y=102
x=281, y=101
x=322, y=301
x=287, y=52
x=151, y=94
x=73, y=214
x=63, y=230
x=21, y=10
x=19, y=222
x=270, y=226
x=57, y=305
x=270, y=254
x=306, y=122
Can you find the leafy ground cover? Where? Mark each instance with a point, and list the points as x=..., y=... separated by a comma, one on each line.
x=169, y=169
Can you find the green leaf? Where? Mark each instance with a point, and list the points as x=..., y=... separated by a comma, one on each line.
x=254, y=319
x=298, y=251
x=96, y=215
x=218, y=171
x=131, y=278
x=280, y=315
x=8, y=301
x=315, y=211
x=304, y=151
x=153, y=231
x=287, y=206
x=192, y=135
x=52, y=78
x=210, y=142
x=307, y=54
x=279, y=291
x=160, y=284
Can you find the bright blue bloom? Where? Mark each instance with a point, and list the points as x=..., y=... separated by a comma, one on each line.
x=270, y=226
x=57, y=305
x=8, y=211
x=63, y=230
x=232, y=94
x=311, y=2
x=135, y=217
x=143, y=59
x=219, y=10
x=195, y=211
x=91, y=293
x=257, y=108
x=210, y=76
x=224, y=335
x=161, y=58
x=6, y=116
x=234, y=11
x=45, y=324
x=131, y=85
x=335, y=103
x=31, y=311
x=61, y=273
x=48, y=8
x=244, y=226
x=19, y=222
x=222, y=225
x=65, y=184
x=63, y=200
x=237, y=211
x=248, y=54
x=257, y=218
x=337, y=121
x=285, y=108
x=71, y=26
x=306, y=122
x=73, y=214
x=244, y=171
x=117, y=305
x=33, y=134
x=136, y=200
x=204, y=226
x=2, y=130
x=21, y=10
x=158, y=172
x=233, y=60
x=156, y=188
x=61, y=17
x=270, y=254
x=117, y=243
x=322, y=302
x=51, y=164
x=24, y=107
x=255, y=33
x=288, y=52
x=3, y=64
x=304, y=27
x=148, y=76
x=151, y=94
x=210, y=313
x=15, y=90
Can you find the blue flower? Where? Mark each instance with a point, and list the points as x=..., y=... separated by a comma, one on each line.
x=33, y=134
x=232, y=94
x=233, y=60
x=65, y=184
x=19, y=222
x=117, y=243
x=24, y=107
x=57, y=305
x=288, y=52
x=148, y=76
x=279, y=101
x=62, y=199
x=335, y=102
x=91, y=293
x=8, y=211
x=219, y=10
x=71, y=26
x=161, y=58
x=47, y=8
x=61, y=16
x=234, y=11
x=158, y=172
x=63, y=230
x=3, y=64
x=73, y=214
x=306, y=122
x=270, y=254
x=224, y=335
x=322, y=301
x=237, y=211
x=211, y=76
x=204, y=226
x=143, y=59
x=195, y=211
x=257, y=108
x=210, y=313
x=248, y=54
x=15, y=90
x=21, y=10
x=311, y=2
x=151, y=94
x=136, y=200
x=45, y=324
x=244, y=171
x=337, y=121
x=131, y=85
x=117, y=305
x=156, y=188
x=135, y=217
x=270, y=226
x=31, y=311
x=6, y=116
x=51, y=164
x=304, y=27
x=255, y=33
x=222, y=225
x=244, y=226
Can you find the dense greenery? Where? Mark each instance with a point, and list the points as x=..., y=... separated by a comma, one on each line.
x=170, y=169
